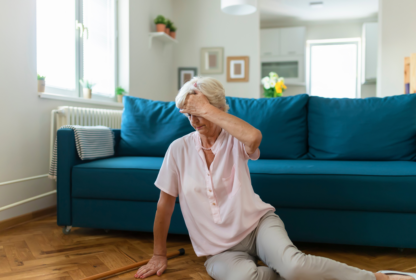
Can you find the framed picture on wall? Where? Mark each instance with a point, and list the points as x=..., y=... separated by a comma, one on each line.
x=212, y=60
x=237, y=68
x=186, y=74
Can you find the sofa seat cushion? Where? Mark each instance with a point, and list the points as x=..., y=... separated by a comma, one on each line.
x=338, y=185
x=123, y=178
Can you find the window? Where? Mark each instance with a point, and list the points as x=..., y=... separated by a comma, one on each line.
x=333, y=68
x=76, y=39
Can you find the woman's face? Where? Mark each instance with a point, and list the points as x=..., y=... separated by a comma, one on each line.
x=202, y=125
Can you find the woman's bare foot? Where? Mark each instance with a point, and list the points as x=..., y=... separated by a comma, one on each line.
x=382, y=276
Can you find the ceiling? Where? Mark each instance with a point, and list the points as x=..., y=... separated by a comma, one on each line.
x=300, y=10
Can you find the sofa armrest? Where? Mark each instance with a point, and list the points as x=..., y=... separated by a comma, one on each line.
x=67, y=158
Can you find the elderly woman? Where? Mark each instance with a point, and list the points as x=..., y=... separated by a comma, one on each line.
x=227, y=222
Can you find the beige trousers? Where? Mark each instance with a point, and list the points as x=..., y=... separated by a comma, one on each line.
x=270, y=243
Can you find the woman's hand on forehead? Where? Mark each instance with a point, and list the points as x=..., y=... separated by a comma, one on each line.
x=195, y=104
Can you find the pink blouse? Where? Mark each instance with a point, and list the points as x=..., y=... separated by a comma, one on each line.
x=218, y=204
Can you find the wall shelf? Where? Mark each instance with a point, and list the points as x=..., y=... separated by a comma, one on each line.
x=161, y=36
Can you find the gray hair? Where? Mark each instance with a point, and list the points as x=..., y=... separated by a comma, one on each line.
x=209, y=87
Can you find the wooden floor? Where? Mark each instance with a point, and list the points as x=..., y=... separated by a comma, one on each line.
x=39, y=250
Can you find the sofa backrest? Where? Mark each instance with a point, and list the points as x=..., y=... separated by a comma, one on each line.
x=362, y=129
x=148, y=127
x=282, y=122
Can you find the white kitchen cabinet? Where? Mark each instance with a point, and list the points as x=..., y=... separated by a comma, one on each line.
x=282, y=50
x=269, y=42
x=369, y=52
x=292, y=41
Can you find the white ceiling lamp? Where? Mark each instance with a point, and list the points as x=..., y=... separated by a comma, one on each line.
x=316, y=5
x=239, y=7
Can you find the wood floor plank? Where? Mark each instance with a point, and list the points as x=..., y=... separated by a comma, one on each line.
x=4, y=262
x=76, y=274
x=62, y=276
x=17, y=253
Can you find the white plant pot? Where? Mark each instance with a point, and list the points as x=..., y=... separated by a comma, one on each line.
x=120, y=98
x=87, y=93
x=41, y=85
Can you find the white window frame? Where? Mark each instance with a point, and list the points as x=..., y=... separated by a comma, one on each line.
x=356, y=41
x=51, y=91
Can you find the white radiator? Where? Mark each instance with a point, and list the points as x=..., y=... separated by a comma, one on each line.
x=66, y=115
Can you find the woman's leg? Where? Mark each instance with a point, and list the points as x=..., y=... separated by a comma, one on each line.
x=237, y=265
x=275, y=249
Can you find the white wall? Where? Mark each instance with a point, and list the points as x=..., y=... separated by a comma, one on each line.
x=325, y=31
x=24, y=117
x=151, y=70
x=201, y=23
x=397, y=25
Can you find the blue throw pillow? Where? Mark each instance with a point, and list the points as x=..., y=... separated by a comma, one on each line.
x=362, y=129
x=281, y=120
x=148, y=127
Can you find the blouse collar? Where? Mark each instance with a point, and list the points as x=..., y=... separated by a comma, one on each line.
x=215, y=147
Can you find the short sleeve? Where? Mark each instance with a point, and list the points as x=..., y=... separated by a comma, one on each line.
x=242, y=149
x=168, y=177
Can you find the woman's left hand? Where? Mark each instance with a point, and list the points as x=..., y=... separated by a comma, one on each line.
x=196, y=104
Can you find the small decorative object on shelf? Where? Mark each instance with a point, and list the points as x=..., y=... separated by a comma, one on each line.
x=160, y=22
x=120, y=92
x=173, y=31
x=87, y=88
x=41, y=83
x=168, y=26
x=273, y=85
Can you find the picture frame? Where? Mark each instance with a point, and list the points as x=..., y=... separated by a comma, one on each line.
x=185, y=74
x=212, y=60
x=238, y=69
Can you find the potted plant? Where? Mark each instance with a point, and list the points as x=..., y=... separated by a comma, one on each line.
x=120, y=92
x=87, y=88
x=173, y=31
x=160, y=22
x=273, y=85
x=41, y=83
x=168, y=26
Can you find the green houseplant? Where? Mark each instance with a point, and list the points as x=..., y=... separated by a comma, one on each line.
x=120, y=92
x=160, y=22
x=173, y=31
x=41, y=83
x=168, y=26
x=87, y=88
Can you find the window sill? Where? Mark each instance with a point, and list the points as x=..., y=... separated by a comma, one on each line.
x=79, y=99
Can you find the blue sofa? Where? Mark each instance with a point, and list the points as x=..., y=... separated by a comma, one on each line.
x=337, y=170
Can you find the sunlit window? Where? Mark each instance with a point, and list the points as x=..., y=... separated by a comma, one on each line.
x=333, y=68
x=56, y=55
x=76, y=40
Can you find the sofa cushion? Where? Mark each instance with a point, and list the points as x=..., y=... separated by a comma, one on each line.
x=318, y=184
x=362, y=129
x=337, y=185
x=282, y=121
x=148, y=127
x=124, y=178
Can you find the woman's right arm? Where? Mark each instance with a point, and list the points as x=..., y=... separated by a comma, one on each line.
x=158, y=262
